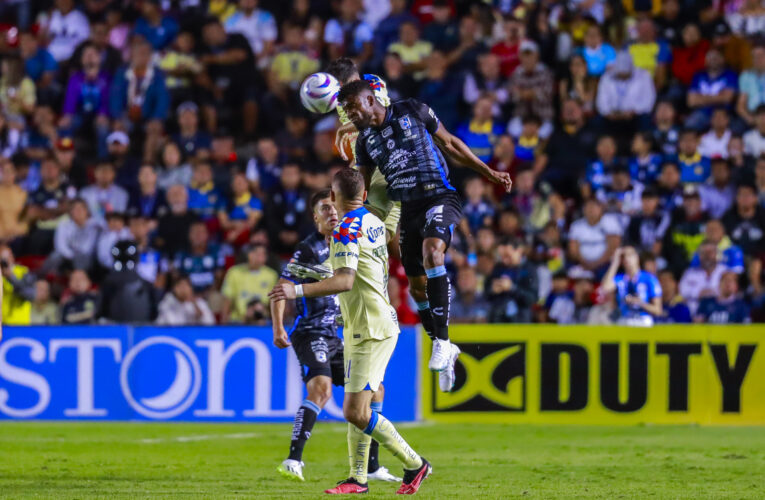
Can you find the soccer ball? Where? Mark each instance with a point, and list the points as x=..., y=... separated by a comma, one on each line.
x=318, y=93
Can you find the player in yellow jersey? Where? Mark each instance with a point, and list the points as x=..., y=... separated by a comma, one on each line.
x=359, y=257
x=378, y=202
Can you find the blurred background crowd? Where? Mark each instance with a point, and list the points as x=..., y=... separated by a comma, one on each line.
x=156, y=165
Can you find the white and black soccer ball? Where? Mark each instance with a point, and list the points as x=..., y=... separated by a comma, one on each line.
x=318, y=93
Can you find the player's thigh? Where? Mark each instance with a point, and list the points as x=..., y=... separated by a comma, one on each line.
x=365, y=363
x=441, y=217
x=313, y=353
x=410, y=242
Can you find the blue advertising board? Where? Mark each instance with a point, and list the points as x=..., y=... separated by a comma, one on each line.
x=160, y=373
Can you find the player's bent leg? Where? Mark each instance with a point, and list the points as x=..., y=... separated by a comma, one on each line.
x=375, y=471
x=418, y=291
x=319, y=391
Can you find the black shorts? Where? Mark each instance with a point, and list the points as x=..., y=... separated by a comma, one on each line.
x=320, y=355
x=430, y=218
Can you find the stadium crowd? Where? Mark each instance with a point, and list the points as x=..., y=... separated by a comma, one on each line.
x=634, y=131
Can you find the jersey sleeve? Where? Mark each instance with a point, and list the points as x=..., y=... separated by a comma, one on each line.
x=344, y=249
x=426, y=114
x=654, y=287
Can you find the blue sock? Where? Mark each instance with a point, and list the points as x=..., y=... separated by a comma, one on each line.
x=376, y=406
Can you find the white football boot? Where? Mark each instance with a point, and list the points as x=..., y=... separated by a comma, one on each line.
x=439, y=359
x=446, y=377
x=291, y=469
x=382, y=474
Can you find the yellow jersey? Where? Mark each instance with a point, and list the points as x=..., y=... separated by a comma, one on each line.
x=241, y=285
x=359, y=243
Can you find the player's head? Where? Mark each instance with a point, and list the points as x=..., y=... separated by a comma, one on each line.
x=348, y=189
x=324, y=212
x=359, y=102
x=344, y=69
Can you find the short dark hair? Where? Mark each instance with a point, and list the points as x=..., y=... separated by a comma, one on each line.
x=343, y=69
x=353, y=89
x=318, y=196
x=349, y=182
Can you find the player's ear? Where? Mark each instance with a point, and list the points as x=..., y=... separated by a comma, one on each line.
x=364, y=196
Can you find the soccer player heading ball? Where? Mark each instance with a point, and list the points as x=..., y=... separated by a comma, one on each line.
x=410, y=147
x=359, y=257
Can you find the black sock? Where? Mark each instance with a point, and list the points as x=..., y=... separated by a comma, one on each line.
x=374, y=457
x=426, y=318
x=438, y=296
x=301, y=430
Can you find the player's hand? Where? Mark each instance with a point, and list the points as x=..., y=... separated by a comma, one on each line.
x=503, y=179
x=343, y=136
x=633, y=300
x=281, y=339
x=283, y=291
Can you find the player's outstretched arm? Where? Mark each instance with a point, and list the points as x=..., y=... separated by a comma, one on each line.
x=460, y=153
x=340, y=282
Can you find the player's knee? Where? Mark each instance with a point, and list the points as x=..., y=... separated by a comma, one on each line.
x=433, y=256
x=357, y=416
x=320, y=390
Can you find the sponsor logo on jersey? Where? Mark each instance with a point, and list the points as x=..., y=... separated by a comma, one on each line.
x=391, y=144
x=387, y=132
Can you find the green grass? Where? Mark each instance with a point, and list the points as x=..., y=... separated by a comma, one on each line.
x=106, y=460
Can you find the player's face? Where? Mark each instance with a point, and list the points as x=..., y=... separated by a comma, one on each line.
x=325, y=216
x=359, y=109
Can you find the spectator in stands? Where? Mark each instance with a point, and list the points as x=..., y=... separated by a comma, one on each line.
x=751, y=92
x=669, y=187
x=718, y=193
x=715, y=87
x=748, y=19
x=182, y=68
x=715, y=142
x=246, y=282
x=481, y=132
x=230, y=77
x=109, y=56
x=486, y=79
x=469, y=304
x=203, y=262
x=686, y=230
x=745, y=222
x=294, y=59
x=44, y=310
x=173, y=170
x=442, y=33
x=239, y=217
x=512, y=287
x=17, y=91
x=204, y=197
x=400, y=85
x=728, y=254
x=674, y=308
x=125, y=297
x=148, y=201
x=649, y=53
x=173, y=228
x=125, y=164
x=412, y=50
x=646, y=228
x=441, y=89
x=104, y=196
x=754, y=140
x=87, y=95
x=257, y=25
x=594, y=238
x=39, y=64
x=638, y=292
x=531, y=91
x=159, y=30
x=181, y=307
x=14, y=199
x=152, y=266
x=759, y=180
x=65, y=29
x=728, y=307
x=600, y=171
x=509, y=48
x=19, y=289
x=579, y=84
x=597, y=54
x=82, y=305
x=703, y=281
x=644, y=164
x=470, y=47
x=115, y=230
x=690, y=58
x=75, y=239
x=626, y=95
x=287, y=211
x=694, y=168
x=666, y=133
x=347, y=35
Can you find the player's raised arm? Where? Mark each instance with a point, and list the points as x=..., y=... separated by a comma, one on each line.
x=457, y=151
x=340, y=282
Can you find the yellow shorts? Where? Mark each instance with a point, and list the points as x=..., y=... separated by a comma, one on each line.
x=379, y=204
x=365, y=363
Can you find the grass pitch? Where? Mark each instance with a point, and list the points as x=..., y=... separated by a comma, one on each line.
x=141, y=460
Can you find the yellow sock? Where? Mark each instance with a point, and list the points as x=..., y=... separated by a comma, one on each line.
x=358, y=453
x=382, y=430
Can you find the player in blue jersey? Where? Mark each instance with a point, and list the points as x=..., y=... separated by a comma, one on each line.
x=314, y=338
x=409, y=146
x=638, y=292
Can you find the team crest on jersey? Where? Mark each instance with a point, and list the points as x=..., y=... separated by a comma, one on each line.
x=348, y=231
x=404, y=122
x=321, y=356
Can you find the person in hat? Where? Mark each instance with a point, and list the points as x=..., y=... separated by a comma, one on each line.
x=626, y=95
x=193, y=143
x=531, y=90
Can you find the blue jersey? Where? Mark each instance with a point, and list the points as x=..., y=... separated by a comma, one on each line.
x=721, y=313
x=644, y=285
x=694, y=169
x=309, y=264
x=732, y=258
x=645, y=170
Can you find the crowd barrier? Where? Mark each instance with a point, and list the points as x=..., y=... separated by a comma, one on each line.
x=185, y=374
x=547, y=374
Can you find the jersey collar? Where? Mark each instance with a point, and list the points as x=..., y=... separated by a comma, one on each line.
x=359, y=212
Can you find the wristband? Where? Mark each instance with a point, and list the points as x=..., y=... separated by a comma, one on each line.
x=298, y=291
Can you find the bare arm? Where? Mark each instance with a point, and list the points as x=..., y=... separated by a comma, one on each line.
x=459, y=153
x=608, y=284
x=340, y=282
x=281, y=339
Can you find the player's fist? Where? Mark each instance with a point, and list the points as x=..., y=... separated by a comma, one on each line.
x=281, y=339
x=283, y=291
x=503, y=179
x=343, y=140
